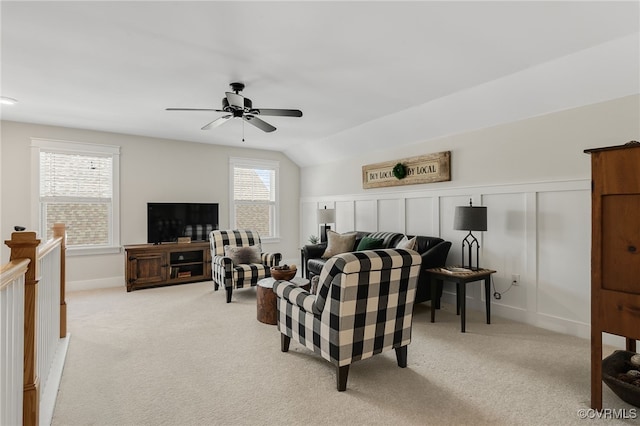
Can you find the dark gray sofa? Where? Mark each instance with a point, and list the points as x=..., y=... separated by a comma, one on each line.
x=434, y=252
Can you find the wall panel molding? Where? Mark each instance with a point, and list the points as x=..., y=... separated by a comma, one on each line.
x=548, y=296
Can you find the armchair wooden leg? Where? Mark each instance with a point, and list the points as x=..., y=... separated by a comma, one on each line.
x=229, y=291
x=401, y=356
x=284, y=342
x=341, y=377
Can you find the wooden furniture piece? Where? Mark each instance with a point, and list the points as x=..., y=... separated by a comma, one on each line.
x=267, y=301
x=615, y=252
x=438, y=275
x=148, y=265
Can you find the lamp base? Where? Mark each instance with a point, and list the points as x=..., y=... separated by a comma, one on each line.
x=323, y=232
x=469, y=241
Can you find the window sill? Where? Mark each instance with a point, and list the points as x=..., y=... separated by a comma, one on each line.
x=270, y=240
x=90, y=251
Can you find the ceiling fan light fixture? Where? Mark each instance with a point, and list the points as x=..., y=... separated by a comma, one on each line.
x=237, y=106
x=7, y=101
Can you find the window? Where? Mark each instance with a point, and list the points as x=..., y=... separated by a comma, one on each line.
x=254, y=196
x=77, y=184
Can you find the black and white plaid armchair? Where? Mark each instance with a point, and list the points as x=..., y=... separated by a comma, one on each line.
x=229, y=274
x=364, y=306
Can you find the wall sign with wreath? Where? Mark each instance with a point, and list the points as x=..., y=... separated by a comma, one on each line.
x=408, y=171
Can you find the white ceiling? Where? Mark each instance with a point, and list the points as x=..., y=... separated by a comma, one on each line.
x=358, y=70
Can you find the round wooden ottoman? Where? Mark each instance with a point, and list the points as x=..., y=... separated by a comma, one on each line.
x=268, y=302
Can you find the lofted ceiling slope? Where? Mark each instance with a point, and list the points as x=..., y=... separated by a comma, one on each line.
x=361, y=71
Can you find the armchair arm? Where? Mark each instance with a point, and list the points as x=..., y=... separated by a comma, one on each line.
x=295, y=295
x=222, y=261
x=436, y=256
x=314, y=251
x=271, y=259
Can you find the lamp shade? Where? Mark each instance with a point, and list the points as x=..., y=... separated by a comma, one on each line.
x=470, y=218
x=326, y=215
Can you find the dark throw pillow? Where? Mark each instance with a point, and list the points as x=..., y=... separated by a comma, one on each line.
x=368, y=243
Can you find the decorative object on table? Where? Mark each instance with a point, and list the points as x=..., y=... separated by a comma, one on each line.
x=284, y=272
x=408, y=171
x=470, y=218
x=313, y=239
x=615, y=374
x=325, y=216
x=19, y=228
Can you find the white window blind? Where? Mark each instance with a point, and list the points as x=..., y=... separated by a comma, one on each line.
x=75, y=176
x=77, y=186
x=254, y=196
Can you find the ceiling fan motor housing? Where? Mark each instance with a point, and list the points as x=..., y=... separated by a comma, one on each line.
x=247, y=106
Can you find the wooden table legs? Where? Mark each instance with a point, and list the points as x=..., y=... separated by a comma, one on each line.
x=461, y=302
x=461, y=297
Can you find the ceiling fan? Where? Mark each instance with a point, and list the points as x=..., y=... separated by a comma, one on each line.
x=236, y=105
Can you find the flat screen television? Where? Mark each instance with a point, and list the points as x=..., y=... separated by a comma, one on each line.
x=168, y=221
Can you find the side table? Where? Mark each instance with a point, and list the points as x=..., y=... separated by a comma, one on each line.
x=461, y=279
x=266, y=299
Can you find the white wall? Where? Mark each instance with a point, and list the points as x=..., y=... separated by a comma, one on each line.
x=535, y=180
x=150, y=170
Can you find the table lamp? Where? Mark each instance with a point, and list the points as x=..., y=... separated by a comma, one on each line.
x=470, y=218
x=325, y=216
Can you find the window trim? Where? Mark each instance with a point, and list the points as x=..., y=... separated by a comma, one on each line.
x=39, y=144
x=256, y=164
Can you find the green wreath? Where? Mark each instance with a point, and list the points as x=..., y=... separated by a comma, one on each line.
x=400, y=171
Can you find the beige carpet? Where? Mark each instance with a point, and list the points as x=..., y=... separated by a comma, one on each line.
x=180, y=355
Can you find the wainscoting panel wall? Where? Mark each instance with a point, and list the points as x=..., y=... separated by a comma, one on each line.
x=391, y=215
x=420, y=217
x=366, y=215
x=504, y=247
x=539, y=231
x=564, y=242
x=345, y=216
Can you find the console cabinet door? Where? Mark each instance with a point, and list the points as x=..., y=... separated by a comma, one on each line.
x=147, y=268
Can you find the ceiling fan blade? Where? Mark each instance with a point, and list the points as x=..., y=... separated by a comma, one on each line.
x=262, y=125
x=217, y=122
x=235, y=100
x=194, y=109
x=278, y=112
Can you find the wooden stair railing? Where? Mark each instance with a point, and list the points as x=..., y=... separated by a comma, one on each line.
x=25, y=245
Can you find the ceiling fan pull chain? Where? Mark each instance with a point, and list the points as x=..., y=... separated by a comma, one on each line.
x=242, y=130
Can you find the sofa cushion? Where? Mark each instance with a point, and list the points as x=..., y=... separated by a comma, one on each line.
x=423, y=244
x=406, y=243
x=390, y=239
x=368, y=243
x=243, y=255
x=338, y=243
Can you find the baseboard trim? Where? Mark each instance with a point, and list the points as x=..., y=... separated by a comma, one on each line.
x=536, y=319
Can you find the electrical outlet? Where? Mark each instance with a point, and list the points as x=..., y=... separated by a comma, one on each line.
x=515, y=279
